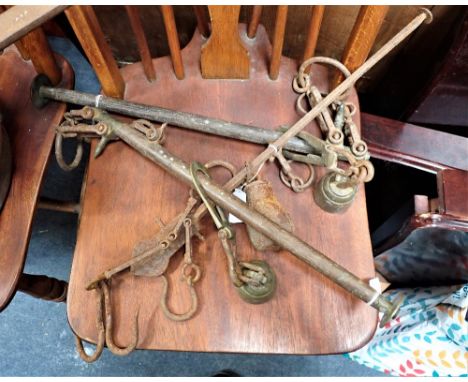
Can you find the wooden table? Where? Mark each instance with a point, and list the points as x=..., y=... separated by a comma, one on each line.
x=31, y=133
x=125, y=194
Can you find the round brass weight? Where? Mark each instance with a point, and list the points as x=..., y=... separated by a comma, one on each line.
x=263, y=293
x=330, y=197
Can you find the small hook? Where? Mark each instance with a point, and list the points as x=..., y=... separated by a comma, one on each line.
x=216, y=213
x=59, y=153
x=109, y=340
x=101, y=334
x=183, y=316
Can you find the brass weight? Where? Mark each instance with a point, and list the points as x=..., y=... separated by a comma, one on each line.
x=334, y=193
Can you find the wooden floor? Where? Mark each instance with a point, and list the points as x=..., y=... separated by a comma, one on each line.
x=125, y=194
x=31, y=133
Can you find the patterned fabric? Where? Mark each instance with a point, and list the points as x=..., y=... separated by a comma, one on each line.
x=429, y=337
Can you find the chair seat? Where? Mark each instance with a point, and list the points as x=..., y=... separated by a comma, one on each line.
x=125, y=195
x=31, y=134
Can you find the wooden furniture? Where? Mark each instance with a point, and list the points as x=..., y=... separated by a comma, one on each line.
x=429, y=247
x=443, y=101
x=31, y=133
x=125, y=194
x=21, y=19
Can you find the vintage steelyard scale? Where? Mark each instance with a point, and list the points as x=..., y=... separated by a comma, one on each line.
x=341, y=151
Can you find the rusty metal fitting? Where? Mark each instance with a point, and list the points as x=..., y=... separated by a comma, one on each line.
x=330, y=197
x=258, y=293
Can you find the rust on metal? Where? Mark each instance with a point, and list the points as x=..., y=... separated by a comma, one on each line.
x=261, y=198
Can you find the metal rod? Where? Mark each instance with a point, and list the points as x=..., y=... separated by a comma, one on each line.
x=189, y=121
x=222, y=196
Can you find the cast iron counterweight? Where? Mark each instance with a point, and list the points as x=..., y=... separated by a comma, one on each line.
x=223, y=197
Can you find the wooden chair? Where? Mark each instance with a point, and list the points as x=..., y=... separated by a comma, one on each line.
x=31, y=134
x=125, y=193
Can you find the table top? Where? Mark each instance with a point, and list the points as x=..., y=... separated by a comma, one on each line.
x=125, y=195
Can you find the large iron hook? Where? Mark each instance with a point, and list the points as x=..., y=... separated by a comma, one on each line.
x=101, y=334
x=108, y=325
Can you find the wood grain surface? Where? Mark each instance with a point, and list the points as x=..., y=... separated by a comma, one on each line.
x=125, y=194
x=86, y=27
x=362, y=38
x=173, y=40
x=202, y=20
x=413, y=145
x=316, y=17
x=254, y=21
x=142, y=43
x=41, y=55
x=224, y=55
x=278, y=40
x=20, y=19
x=31, y=134
x=452, y=186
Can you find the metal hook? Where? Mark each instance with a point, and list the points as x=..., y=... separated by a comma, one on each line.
x=291, y=180
x=108, y=325
x=191, y=273
x=176, y=316
x=216, y=213
x=59, y=154
x=101, y=334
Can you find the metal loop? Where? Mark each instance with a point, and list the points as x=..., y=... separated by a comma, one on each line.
x=150, y=131
x=324, y=61
x=299, y=106
x=301, y=82
x=366, y=171
x=176, y=316
x=59, y=154
x=221, y=163
x=191, y=273
x=294, y=182
x=216, y=214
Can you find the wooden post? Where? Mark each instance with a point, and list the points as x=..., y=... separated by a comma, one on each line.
x=141, y=41
x=202, y=22
x=42, y=57
x=43, y=287
x=362, y=38
x=316, y=18
x=254, y=21
x=86, y=27
x=278, y=40
x=173, y=40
